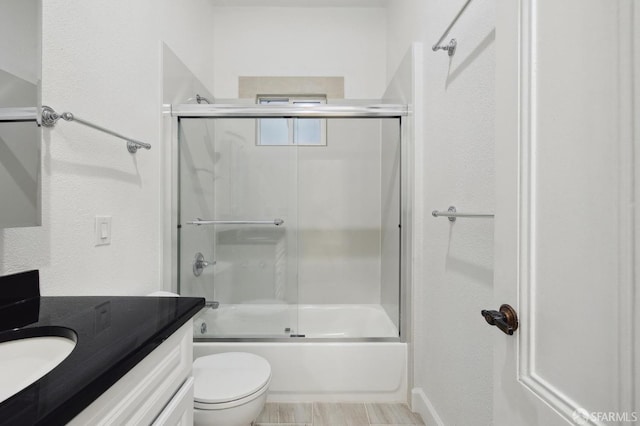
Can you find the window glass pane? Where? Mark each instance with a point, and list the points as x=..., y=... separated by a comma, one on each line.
x=291, y=131
x=273, y=131
x=308, y=131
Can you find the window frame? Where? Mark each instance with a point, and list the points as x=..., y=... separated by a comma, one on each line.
x=292, y=134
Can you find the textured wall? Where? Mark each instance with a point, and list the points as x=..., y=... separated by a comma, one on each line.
x=102, y=61
x=451, y=342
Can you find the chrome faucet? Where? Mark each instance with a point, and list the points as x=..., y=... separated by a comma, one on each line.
x=199, y=264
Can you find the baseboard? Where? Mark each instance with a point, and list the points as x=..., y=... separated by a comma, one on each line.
x=421, y=405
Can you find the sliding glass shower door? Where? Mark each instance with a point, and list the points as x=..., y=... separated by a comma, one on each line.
x=238, y=208
x=291, y=227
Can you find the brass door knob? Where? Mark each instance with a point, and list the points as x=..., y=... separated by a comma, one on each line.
x=505, y=319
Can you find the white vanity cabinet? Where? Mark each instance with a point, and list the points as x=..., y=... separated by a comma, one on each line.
x=158, y=391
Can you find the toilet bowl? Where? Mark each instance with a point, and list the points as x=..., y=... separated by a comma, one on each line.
x=230, y=388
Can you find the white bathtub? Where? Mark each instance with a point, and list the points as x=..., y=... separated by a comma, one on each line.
x=314, y=371
x=282, y=320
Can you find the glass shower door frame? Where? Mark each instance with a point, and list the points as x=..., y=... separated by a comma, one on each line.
x=250, y=111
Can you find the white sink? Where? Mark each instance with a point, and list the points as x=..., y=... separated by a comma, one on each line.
x=24, y=360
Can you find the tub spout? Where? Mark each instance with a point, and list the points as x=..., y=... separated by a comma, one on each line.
x=212, y=304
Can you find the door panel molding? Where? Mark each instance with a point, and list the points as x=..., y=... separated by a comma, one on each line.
x=623, y=213
x=544, y=390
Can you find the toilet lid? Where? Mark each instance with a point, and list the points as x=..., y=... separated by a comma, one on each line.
x=229, y=376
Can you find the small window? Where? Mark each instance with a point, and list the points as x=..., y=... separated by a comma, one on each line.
x=291, y=131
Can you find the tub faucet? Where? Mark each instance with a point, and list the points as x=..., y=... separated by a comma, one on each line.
x=211, y=304
x=199, y=264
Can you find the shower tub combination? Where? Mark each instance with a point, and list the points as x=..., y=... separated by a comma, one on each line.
x=340, y=358
x=296, y=246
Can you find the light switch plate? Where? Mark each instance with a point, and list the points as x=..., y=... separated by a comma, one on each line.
x=103, y=230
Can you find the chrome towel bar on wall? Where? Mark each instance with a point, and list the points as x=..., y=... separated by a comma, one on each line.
x=451, y=47
x=50, y=117
x=452, y=214
x=19, y=114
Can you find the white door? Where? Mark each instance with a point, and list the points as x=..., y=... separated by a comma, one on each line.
x=566, y=248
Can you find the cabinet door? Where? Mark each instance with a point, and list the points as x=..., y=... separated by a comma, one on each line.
x=179, y=411
x=143, y=393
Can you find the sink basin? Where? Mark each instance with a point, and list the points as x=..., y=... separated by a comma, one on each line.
x=28, y=354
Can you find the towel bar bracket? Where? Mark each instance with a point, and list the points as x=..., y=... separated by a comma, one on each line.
x=450, y=48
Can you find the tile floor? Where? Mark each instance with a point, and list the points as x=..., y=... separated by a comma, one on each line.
x=337, y=414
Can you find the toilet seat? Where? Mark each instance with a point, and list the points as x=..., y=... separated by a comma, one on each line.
x=229, y=379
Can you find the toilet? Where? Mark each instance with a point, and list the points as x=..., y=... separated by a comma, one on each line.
x=230, y=388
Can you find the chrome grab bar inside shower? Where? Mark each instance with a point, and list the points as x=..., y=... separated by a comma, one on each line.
x=276, y=222
x=452, y=214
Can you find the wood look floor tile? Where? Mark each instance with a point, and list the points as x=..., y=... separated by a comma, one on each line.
x=269, y=414
x=295, y=412
x=392, y=414
x=339, y=414
x=282, y=424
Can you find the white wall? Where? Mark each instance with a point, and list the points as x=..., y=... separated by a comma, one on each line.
x=102, y=61
x=451, y=340
x=301, y=41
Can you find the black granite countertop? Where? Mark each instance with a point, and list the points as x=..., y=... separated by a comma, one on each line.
x=113, y=334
